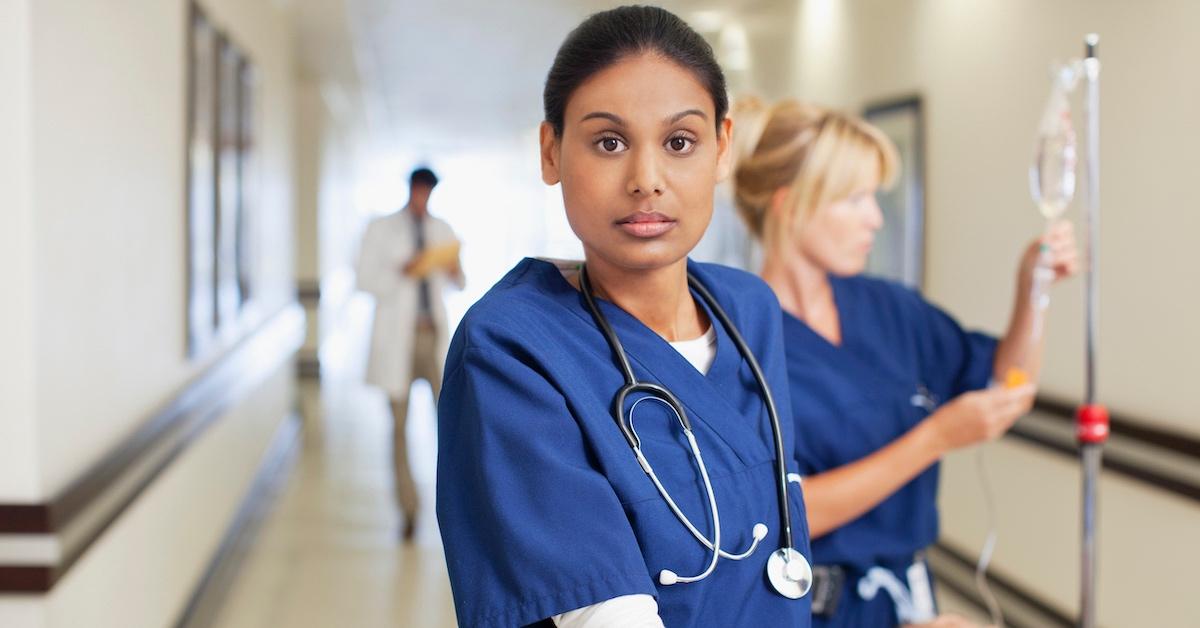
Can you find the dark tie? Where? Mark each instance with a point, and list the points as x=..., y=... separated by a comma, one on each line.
x=423, y=309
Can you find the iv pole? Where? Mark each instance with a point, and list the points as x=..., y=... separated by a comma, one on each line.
x=1091, y=418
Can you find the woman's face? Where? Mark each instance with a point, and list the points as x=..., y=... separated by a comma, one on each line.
x=638, y=160
x=838, y=237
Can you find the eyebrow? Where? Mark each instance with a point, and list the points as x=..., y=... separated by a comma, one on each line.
x=615, y=119
x=683, y=114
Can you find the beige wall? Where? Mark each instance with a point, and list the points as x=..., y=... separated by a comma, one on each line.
x=144, y=570
x=109, y=88
x=1146, y=537
x=92, y=252
x=18, y=444
x=982, y=68
x=330, y=163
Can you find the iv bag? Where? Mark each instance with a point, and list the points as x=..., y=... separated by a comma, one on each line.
x=1052, y=174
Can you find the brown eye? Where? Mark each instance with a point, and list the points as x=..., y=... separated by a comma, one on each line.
x=610, y=144
x=680, y=144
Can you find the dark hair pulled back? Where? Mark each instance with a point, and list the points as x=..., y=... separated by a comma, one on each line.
x=607, y=37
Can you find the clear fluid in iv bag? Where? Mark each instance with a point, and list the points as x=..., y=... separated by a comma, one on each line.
x=1052, y=174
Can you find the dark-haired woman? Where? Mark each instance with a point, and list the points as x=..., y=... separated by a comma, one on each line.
x=561, y=501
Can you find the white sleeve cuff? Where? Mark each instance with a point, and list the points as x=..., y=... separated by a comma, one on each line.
x=625, y=611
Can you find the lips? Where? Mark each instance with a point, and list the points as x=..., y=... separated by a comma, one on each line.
x=646, y=224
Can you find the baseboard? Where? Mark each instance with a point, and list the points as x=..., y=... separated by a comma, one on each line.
x=211, y=592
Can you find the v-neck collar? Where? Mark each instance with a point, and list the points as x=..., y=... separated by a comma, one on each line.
x=652, y=354
x=845, y=321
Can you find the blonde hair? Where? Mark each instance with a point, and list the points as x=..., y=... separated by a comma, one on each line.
x=819, y=154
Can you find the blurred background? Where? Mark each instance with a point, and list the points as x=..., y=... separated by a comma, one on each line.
x=185, y=438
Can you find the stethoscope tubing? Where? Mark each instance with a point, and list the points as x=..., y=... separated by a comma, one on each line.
x=633, y=385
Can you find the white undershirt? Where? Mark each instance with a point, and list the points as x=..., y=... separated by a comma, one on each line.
x=699, y=351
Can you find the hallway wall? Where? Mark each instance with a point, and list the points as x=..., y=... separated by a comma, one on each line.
x=982, y=69
x=18, y=461
x=92, y=258
x=109, y=183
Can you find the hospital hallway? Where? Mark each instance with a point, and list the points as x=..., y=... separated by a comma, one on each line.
x=212, y=213
x=323, y=551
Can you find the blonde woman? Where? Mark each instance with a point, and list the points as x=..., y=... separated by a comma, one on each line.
x=883, y=383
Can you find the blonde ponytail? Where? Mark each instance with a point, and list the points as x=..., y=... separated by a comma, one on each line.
x=750, y=116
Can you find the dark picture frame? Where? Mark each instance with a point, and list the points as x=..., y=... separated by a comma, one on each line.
x=248, y=233
x=201, y=183
x=222, y=242
x=229, y=185
x=899, y=251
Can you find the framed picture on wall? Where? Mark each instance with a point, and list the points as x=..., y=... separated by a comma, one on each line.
x=899, y=251
x=248, y=228
x=201, y=184
x=221, y=191
x=229, y=186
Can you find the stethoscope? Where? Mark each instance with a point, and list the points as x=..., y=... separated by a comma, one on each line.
x=787, y=569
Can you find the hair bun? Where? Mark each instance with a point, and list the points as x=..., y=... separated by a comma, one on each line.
x=750, y=116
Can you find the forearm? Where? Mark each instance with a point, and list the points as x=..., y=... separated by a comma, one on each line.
x=838, y=496
x=1017, y=349
x=455, y=274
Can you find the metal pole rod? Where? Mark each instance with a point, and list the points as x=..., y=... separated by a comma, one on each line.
x=1091, y=418
x=1091, y=66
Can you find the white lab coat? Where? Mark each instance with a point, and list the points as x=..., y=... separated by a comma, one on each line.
x=388, y=243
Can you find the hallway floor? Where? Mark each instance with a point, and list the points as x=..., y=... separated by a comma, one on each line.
x=327, y=554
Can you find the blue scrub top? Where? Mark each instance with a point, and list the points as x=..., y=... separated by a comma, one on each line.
x=898, y=353
x=542, y=505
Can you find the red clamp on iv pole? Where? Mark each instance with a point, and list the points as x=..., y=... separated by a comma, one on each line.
x=1091, y=424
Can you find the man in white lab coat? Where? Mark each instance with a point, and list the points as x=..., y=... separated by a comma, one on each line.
x=405, y=262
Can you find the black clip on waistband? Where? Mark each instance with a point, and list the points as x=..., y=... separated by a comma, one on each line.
x=828, y=581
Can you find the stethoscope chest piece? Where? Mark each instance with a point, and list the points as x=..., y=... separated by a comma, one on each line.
x=790, y=573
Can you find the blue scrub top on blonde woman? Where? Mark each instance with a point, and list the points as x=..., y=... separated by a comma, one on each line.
x=899, y=358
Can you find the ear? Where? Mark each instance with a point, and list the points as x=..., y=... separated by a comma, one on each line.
x=551, y=154
x=725, y=149
x=778, y=199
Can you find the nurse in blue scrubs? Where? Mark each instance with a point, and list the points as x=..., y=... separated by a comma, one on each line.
x=547, y=515
x=883, y=383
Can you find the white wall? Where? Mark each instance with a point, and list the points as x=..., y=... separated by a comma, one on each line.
x=109, y=132
x=92, y=252
x=982, y=68
x=18, y=445
x=1146, y=537
x=144, y=570
x=332, y=160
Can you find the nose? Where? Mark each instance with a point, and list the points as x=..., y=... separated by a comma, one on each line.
x=874, y=214
x=646, y=176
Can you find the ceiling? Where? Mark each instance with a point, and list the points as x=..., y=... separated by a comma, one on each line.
x=441, y=74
